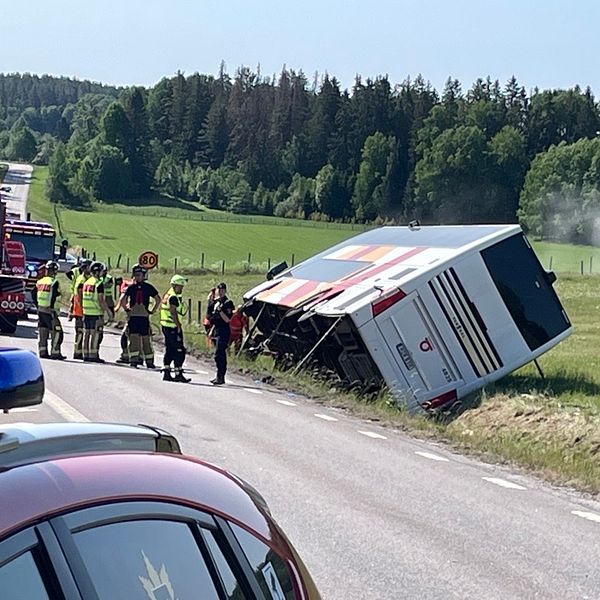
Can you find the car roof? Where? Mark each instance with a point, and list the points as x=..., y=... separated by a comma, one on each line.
x=51, y=487
x=23, y=443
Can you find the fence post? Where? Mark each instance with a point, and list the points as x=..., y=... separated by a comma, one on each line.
x=591, y=258
x=223, y=268
x=108, y=263
x=249, y=258
x=293, y=259
x=118, y=262
x=189, y=315
x=199, y=312
x=94, y=257
x=127, y=265
x=202, y=261
x=269, y=263
x=175, y=265
x=582, y=267
x=550, y=267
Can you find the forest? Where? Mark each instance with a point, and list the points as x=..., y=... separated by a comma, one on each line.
x=284, y=145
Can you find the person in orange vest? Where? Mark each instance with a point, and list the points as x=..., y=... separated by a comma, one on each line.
x=238, y=325
x=76, y=308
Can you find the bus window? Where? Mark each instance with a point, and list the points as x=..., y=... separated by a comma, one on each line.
x=522, y=283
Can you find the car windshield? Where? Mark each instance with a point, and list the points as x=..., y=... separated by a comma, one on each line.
x=37, y=247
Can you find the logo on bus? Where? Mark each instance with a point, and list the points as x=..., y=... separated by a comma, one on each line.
x=426, y=345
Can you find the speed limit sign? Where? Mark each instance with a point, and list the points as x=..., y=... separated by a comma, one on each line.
x=148, y=259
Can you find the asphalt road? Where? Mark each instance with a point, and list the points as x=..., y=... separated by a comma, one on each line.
x=374, y=513
x=18, y=178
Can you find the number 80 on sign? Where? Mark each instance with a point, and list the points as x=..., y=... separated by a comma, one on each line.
x=148, y=259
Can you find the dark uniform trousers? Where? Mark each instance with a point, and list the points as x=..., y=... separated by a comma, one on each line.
x=49, y=327
x=174, y=348
x=78, y=349
x=222, y=334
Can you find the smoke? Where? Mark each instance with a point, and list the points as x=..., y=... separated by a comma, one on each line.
x=572, y=216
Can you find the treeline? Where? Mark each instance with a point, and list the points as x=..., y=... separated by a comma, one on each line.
x=279, y=145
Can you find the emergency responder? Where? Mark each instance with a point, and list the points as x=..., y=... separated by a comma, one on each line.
x=47, y=292
x=94, y=307
x=222, y=312
x=109, y=293
x=172, y=310
x=136, y=302
x=76, y=309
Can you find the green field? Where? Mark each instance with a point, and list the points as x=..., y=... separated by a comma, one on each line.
x=550, y=425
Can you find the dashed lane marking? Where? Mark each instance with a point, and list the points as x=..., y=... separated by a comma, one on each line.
x=372, y=434
x=286, y=402
x=64, y=409
x=590, y=516
x=431, y=456
x=252, y=391
x=504, y=483
x=325, y=417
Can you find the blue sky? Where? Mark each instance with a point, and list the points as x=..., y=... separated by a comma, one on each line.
x=545, y=43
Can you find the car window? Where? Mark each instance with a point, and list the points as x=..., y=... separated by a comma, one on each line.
x=269, y=568
x=228, y=579
x=20, y=578
x=146, y=559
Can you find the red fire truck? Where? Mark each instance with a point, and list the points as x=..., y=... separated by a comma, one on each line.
x=13, y=269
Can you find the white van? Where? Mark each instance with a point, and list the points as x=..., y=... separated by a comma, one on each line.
x=433, y=312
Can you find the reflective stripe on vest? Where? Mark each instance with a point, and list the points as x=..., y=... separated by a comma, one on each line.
x=166, y=318
x=44, y=292
x=91, y=302
x=76, y=274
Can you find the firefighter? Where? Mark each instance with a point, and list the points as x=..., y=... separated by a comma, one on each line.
x=136, y=302
x=76, y=309
x=109, y=293
x=172, y=310
x=94, y=307
x=222, y=312
x=47, y=292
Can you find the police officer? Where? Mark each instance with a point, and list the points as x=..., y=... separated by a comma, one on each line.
x=172, y=310
x=94, y=307
x=136, y=302
x=76, y=309
x=47, y=292
x=222, y=312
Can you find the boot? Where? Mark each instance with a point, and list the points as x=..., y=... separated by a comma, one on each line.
x=180, y=377
x=150, y=365
x=218, y=381
x=58, y=356
x=123, y=360
x=167, y=374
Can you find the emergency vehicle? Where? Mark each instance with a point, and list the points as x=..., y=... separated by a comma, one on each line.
x=12, y=279
x=433, y=312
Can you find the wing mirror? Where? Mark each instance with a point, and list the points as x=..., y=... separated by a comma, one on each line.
x=278, y=268
x=21, y=379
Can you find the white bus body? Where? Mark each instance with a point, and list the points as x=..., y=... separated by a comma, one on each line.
x=434, y=312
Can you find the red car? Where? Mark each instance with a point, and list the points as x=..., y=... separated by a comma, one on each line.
x=114, y=512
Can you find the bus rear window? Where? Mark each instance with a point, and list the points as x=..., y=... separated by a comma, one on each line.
x=528, y=296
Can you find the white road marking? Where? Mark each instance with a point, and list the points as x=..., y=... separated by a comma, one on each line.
x=286, y=402
x=431, y=456
x=590, y=516
x=252, y=391
x=373, y=435
x=325, y=417
x=23, y=409
x=64, y=409
x=503, y=483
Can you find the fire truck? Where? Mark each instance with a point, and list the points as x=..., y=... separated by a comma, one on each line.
x=38, y=239
x=13, y=277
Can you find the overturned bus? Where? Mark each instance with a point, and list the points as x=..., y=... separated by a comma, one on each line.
x=433, y=312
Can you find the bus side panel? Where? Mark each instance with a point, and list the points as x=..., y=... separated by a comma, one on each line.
x=417, y=349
